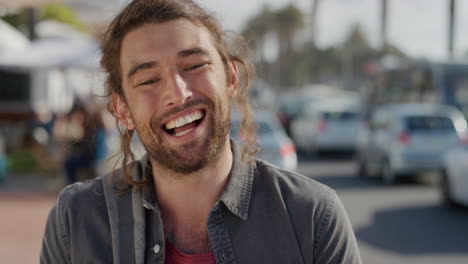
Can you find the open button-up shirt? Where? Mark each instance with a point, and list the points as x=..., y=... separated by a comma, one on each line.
x=265, y=215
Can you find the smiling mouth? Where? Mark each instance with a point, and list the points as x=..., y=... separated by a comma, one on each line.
x=184, y=124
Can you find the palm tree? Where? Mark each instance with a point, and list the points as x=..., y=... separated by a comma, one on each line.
x=257, y=28
x=314, y=19
x=383, y=24
x=289, y=20
x=451, y=28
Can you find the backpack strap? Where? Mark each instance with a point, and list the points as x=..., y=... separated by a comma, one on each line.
x=126, y=228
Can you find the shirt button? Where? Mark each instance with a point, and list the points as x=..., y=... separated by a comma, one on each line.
x=223, y=255
x=147, y=206
x=156, y=248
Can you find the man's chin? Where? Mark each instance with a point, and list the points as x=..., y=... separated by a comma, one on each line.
x=182, y=165
x=184, y=160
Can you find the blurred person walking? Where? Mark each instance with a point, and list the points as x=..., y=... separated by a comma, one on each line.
x=196, y=197
x=82, y=135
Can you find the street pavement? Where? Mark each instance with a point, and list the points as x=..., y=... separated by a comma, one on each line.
x=25, y=201
x=398, y=224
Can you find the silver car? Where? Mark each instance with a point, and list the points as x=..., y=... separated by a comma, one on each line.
x=275, y=146
x=403, y=139
x=330, y=125
x=454, y=179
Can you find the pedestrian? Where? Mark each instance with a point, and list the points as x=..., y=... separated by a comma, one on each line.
x=196, y=197
x=77, y=132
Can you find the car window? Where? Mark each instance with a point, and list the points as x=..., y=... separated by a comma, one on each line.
x=235, y=128
x=340, y=116
x=264, y=128
x=293, y=107
x=429, y=123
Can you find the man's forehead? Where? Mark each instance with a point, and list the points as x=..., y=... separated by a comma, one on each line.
x=172, y=36
x=155, y=42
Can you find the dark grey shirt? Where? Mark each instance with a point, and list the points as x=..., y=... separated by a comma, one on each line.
x=265, y=215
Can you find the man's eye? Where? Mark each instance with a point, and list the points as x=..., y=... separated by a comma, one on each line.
x=149, y=82
x=193, y=67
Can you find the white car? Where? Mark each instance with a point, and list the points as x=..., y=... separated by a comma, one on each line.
x=330, y=125
x=275, y=146
x=454, y=177
x=403, y=139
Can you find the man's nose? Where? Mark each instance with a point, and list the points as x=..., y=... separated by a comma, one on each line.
x=178, y=90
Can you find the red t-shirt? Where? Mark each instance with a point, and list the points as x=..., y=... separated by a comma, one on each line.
x=175, y=256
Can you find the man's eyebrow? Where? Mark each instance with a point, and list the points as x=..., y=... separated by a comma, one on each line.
x=151, y=64
x=192, y=51
x=142, y=66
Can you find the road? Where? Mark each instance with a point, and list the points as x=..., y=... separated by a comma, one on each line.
x=394, y=225
x=397, y=224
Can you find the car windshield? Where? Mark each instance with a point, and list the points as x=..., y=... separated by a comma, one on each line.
x=455, y=79
x=429, y=123
x=264, y=128
x=294, y=106
x=340, y=116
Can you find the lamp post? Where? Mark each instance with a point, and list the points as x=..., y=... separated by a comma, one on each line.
x=451, y=30
x=383, y=25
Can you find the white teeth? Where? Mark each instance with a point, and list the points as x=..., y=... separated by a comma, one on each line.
x=183, y=120
x=183, y=132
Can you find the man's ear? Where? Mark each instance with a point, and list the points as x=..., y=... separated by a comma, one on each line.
x=122, y=112
x=232, y=79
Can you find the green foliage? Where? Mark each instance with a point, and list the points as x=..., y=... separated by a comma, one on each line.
x=22, y=161
x=356, y=40
x=14, y=19
x=296, y=67
x=259, y=25
x=289, y=19
x=57, y=12
x=285, y=22
x=61, y=13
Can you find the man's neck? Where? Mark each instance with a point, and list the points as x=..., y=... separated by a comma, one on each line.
x=186, y=200
x=203, y=186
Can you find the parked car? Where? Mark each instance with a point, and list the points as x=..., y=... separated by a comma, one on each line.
x=290, y=108
x=275, y=146
x=329, y=125
x=454, y=177
x=403, y=139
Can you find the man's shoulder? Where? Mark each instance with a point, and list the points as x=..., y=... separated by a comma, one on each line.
x=87, y=192
x=293, y=185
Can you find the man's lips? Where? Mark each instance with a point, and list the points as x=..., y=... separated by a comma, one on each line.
x=185, y=119
x=185, y=123
x=175, y=118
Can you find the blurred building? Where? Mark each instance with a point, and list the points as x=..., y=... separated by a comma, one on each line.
x=48, y=74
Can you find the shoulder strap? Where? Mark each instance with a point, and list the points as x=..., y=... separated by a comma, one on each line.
x=119, y=210
x=126, y=236
x=127, y=220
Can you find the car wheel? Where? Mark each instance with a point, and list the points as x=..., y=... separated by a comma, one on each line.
x=388, y=175
x=362, y=171
x=446, y=193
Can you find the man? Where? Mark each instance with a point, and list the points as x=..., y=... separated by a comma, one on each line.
x=194, y=198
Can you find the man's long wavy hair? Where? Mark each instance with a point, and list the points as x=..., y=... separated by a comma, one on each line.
x=231, y=49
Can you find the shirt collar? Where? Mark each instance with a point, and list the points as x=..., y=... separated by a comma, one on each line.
x=149, y=196
x=236, y=195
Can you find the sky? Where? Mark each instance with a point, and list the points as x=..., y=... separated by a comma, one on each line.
x=418, y=27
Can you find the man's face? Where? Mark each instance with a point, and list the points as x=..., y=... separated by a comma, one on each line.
x=177, y=93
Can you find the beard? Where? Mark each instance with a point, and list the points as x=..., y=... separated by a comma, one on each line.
x=197, y=154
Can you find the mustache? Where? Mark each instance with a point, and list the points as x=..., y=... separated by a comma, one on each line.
x=157, y=119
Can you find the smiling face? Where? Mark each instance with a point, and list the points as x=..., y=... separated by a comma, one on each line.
x=177, y=92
